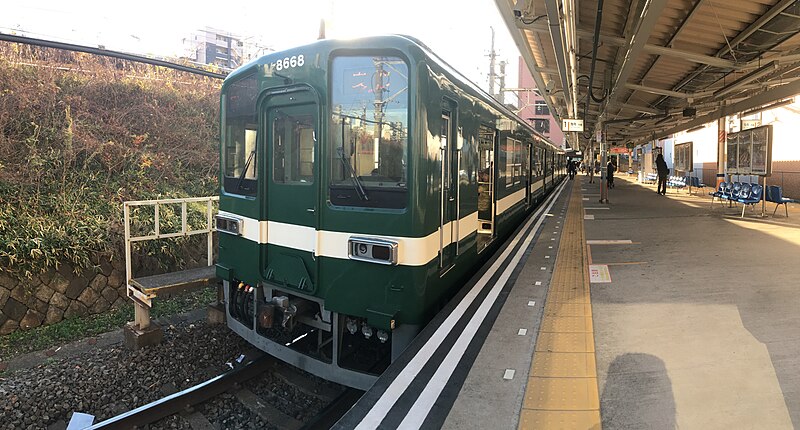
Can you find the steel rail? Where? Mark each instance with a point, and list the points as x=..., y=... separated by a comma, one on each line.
x=182, y=400
x=334, y=411
x=114, y=54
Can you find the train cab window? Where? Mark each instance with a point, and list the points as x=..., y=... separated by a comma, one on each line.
x=293, y=139
x=369, y=132
x=240, y=158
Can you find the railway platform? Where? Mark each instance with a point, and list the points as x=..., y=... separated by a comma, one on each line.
x=648, y=312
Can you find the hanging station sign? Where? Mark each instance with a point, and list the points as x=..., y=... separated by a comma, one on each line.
x=749, y=152
x=682, y=157
x=572, y=125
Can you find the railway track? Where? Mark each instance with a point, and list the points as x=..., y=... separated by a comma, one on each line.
x=261, y=393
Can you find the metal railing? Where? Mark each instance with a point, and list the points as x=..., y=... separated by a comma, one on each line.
x=184, y=232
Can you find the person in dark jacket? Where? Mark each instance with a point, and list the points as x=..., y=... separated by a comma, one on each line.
x=610, y=169
x=663, y=171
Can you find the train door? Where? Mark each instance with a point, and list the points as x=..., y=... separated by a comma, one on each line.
x=527, y=168
x=486, y=181
x=448, y=208
x=291, y=121
x=545, y=166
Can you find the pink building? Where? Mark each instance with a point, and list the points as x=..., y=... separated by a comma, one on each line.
x=533, y=108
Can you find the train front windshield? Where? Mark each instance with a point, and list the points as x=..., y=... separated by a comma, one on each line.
x=369, y=132
x=241, y=125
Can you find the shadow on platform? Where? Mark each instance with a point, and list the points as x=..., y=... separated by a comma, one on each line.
x=638, y=394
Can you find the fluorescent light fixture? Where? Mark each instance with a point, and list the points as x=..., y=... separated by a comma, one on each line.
x=750, y=77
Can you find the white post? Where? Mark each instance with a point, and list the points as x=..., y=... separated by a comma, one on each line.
x=158, y=227
x=210, y=233
x=128, y=274
x=183, y=218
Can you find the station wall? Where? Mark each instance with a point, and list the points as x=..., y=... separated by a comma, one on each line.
x=785, y=121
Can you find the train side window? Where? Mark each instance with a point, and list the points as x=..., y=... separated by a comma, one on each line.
x=513, y=162
x=293, y=139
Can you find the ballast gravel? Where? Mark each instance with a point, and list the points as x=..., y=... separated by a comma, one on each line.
x=105, y=382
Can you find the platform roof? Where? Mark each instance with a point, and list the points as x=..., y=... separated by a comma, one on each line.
x=657, y=60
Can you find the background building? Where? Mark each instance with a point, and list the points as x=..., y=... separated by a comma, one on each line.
x=218, y=47
x=533, y=108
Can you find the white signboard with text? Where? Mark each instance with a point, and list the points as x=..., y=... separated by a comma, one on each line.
x=571, y=125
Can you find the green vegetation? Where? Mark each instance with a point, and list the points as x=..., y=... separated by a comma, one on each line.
x=80, y=134
x=69, y=330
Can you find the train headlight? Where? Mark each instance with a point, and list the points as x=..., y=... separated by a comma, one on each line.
x=230, y=225
x=366, y=331
x=379, y=251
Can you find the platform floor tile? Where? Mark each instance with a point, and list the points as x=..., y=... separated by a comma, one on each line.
x=565, y=342
x=536, y=420
x=567, y=309
x=564, y=324
x=564, y=364
x=563, y=394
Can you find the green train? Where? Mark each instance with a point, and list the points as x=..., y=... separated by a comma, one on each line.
x=362, y=182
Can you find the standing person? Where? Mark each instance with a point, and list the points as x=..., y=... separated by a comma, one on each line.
x=571, y=168
x=610, y=169
x=663, y=171
x=590, y=172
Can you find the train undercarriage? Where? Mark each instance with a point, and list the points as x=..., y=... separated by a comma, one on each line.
x=300, y=331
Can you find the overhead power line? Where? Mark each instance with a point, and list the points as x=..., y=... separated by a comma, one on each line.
x=107, y=53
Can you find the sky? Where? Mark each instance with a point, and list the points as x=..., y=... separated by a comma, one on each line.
x=458, y=31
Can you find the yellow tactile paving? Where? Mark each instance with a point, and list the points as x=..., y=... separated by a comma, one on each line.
x=533, y=419
x=566, y=309
x=566, y=324
x=561, y=394
x=562, y=388
x=565, y=342
x=572, y=295
x=564, y=364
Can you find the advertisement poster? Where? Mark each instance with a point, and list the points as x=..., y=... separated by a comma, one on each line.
x=733, y=153
x=749, y=152
x=745, y=144
x=683, y=157
x=759, y=152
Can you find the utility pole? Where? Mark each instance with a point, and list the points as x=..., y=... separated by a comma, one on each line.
x=378, y=90
x=492, y=56
x=502, y=82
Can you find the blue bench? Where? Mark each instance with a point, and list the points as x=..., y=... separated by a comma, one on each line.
x=720, y=193
x=750, y=195
x=775, y=195
x=695, y=182
x=650, y=178
x=676, y=182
